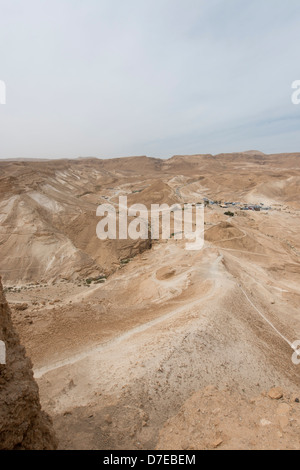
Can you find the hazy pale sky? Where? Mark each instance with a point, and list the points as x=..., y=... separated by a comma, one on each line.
x=111, y=78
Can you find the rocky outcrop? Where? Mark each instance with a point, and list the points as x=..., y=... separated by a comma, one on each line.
x=23, y=425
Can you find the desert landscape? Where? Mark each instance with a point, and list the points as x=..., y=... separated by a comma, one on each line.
x=142, y=344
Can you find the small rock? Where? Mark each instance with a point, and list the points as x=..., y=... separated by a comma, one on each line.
x=283, y=409
x=108, y=419
x=275, y=393
x=217, y=443
x=71, y=384
x=185, y=445
x=283, y=421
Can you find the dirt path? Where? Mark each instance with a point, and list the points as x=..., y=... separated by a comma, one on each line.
x=116, y=342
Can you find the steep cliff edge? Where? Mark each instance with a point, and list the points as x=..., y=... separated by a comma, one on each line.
x=23, y=425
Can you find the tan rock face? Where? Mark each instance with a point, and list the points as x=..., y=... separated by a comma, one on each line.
x=22, y=423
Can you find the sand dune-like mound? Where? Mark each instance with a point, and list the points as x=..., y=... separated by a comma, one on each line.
x=165, y=273
x=48, y=208
x=225, y=419
x=223, y=231
x=254, y=152
x=282, y=187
